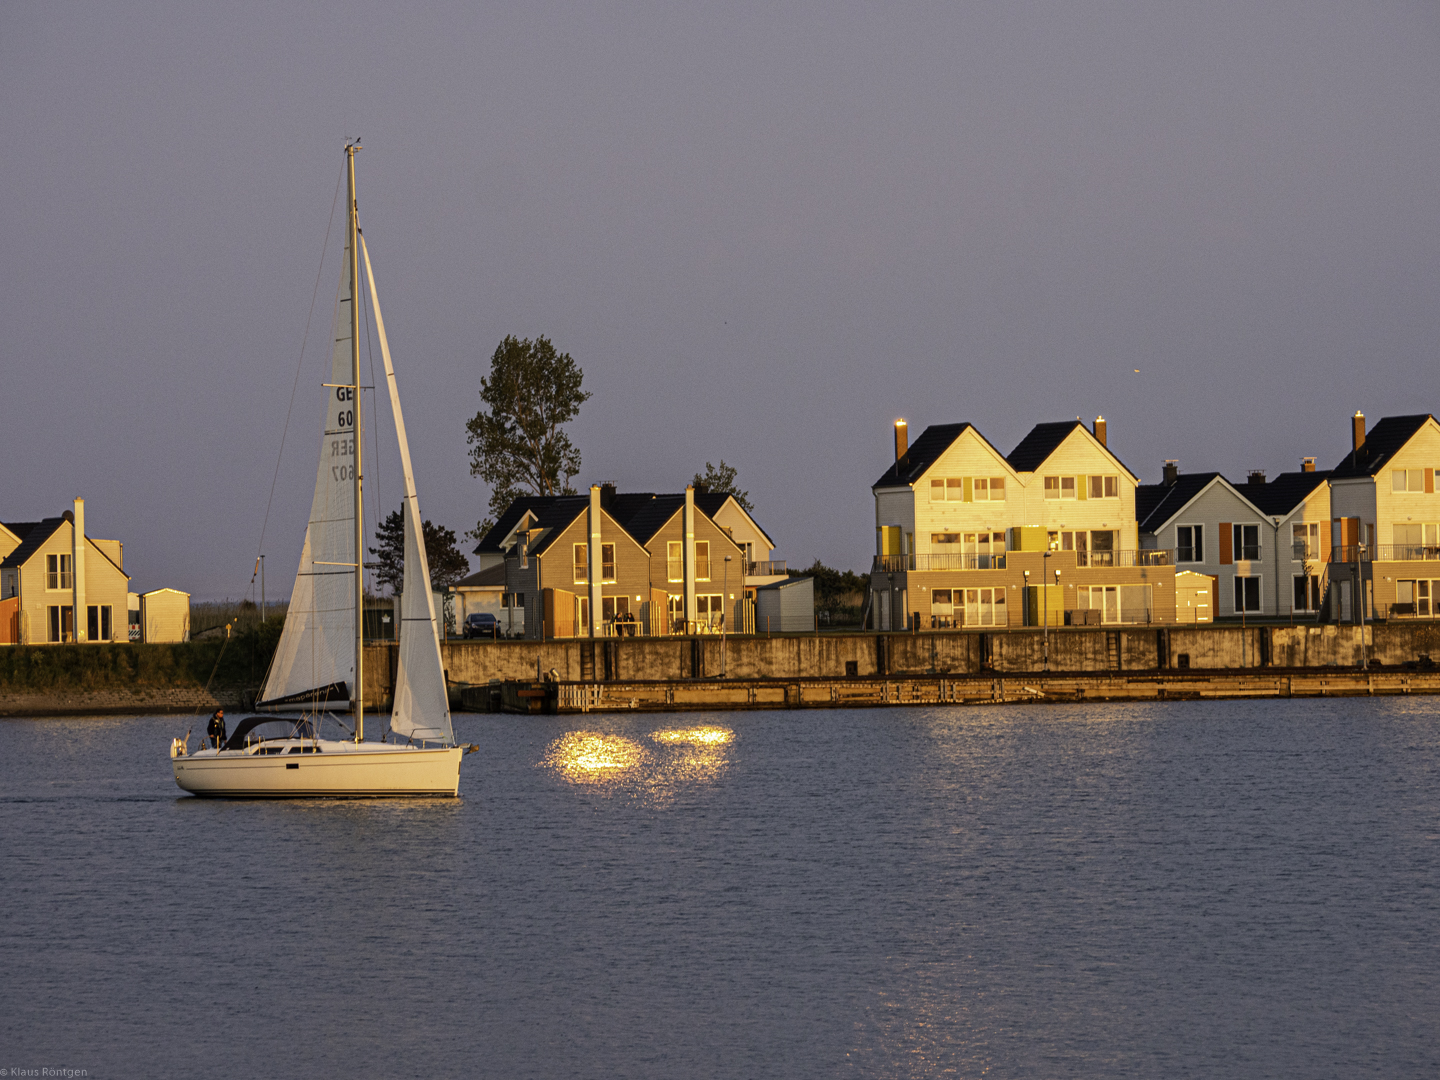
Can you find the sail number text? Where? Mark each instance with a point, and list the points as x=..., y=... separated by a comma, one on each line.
x=344, y=417
x=342, y=448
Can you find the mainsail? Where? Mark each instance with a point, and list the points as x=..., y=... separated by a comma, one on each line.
x=317, y=646
x=421, y=709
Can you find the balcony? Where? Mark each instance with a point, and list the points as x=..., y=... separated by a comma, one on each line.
x=766, y=568
x=1403, y=553
x=896, y=564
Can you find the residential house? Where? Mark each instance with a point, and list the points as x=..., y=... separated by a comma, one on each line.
x=760, y=566
x=51, y=569
x=968, y=536
x=1263, y=545
x=613, y=563
x=1385, y=520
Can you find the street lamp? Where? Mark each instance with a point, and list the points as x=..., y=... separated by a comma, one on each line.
x=1045, y=598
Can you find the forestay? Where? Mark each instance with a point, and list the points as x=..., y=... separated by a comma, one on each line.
x=317, y=646
x=421, y=709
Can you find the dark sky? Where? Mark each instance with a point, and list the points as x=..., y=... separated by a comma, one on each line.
x=763, y=231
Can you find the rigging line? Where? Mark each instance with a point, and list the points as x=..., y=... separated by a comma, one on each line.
x=374, y=422
x=299, y=363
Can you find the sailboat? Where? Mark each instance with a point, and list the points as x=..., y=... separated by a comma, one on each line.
x=319, y=661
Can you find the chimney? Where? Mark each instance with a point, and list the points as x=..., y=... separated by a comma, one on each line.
x=607, y=496
x=1307, y=464
x=902, y=439
x=1255, y=476
x=1357, y=431
x=77, y=571
x=689, y=553
x=1100, y=431
x=1172, y=471
x=593, y=520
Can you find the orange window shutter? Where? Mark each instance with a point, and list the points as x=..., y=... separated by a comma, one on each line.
x=1429, y=481
x=1225, y=539
x=1325, y=540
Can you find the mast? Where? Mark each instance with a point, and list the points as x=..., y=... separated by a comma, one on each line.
x=352, y=240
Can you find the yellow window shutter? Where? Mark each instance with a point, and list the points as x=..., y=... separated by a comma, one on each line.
x=1082, y=487
x=969, y=490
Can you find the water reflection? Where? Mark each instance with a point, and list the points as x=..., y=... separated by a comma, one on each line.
x=681, y=759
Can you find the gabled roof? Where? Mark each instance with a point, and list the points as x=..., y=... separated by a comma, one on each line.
x=19, y=529
x=1382, y=443
x=933, y=441
x=1281, y=496
x=712, y=502
x=1155, y=504
x=511, y=517
x=491, y=576
x=555, y=517
x=644, y=514
x=1045, y=439
x=35, y=535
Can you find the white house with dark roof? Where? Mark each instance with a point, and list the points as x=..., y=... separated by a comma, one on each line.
x=50, y=570
x=1264, y=545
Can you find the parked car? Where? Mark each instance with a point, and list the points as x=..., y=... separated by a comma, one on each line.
x=481, y=624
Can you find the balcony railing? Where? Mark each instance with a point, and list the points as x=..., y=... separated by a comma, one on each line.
x=1406, y=553
x=895, y=564
x=1302, y=551
x=767, y=568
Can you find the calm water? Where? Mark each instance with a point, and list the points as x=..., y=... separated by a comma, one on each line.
x=1195, y=889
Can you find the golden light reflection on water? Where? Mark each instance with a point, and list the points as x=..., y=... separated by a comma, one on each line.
x=684, y=759
x=591, y=756
x=698, y=736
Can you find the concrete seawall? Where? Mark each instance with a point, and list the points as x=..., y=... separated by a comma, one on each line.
x=1171, y=650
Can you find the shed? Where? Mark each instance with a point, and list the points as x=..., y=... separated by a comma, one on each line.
x=164, y=615
x=786, y=607
x=1194, y=597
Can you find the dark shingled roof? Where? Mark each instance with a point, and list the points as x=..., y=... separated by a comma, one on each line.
x=560, y=512
x=643, y=515
x=19, y=528
x=1042, y=441
x=511, y=517
x=494, y=575
x=933, y=442
x=35, y=535
x=1156, y=504
x=1381, y=444
x=1283, y=494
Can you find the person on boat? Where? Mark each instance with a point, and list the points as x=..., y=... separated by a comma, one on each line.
x=216, y=730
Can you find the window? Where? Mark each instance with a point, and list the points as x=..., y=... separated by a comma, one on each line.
x=989, y=489
x=675, y=561
x=1307, y=592
x=607, y=562
x=62, y=624
x=984, y=607
x=1102, y=548
x=1059, y=487
x=57, y=573
x=582, y=563
x=1247, y=593
x=1306, y=536
x=710, y=609
x=613, y=607
x=1190, y=543
x=944, y=538
x=1104, y=487
x=1407, y=479
x=702, y=560
x=97, y=623
x=940, y=602
x=1117, y=603
x=947, y=489
x=1417, y=598
x=1247, y=543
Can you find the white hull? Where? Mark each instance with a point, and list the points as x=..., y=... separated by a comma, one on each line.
x=339, y=770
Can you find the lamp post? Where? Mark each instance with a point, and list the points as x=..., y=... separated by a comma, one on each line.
x=1045, y=599
x=1360, y=600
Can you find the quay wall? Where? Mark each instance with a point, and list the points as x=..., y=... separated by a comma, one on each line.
x=869, y=655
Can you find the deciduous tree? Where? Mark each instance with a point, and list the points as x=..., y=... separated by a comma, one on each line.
x=518, y=443
x=722, y=478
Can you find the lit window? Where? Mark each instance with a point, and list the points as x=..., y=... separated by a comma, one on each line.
x=702, y=560
x=675, y=561
x=582, y=564
x=607, y=562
